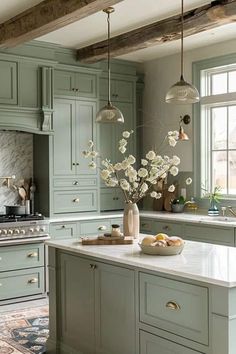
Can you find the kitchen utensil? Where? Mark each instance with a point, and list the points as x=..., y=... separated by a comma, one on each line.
x=15, y=209
x=22, y=193
x=161, y=251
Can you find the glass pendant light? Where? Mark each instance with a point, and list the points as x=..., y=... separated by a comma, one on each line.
x=182, y=92
x=109, y=113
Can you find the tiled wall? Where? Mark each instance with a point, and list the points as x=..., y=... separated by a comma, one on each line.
x=16, y=158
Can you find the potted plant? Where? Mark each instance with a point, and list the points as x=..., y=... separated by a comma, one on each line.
x=214, y=198
x=177, y=204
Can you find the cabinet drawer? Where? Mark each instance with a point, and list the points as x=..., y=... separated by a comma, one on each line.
x=74, y=182
x=22, y=283
x=63, y=230
x=170, y=228
x=146, y=226
x=211, y=234
x=150, y=344
x=75, y=201
x=21, y=256
x=177, y=307
x=94, y=227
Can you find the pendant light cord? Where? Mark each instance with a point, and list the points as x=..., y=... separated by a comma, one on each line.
x=108, y=58
x=182, y=40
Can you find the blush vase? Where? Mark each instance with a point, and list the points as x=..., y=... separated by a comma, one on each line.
x=131, y=223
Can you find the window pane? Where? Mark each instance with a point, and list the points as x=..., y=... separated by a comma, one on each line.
x=232, y=81
x=219, y=128
x=232, y=172
x=232, y=127
x=219, y=170
x=219, y=83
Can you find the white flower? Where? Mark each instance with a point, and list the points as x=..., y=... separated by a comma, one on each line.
x=142, y=172
x=126, y=134
x=175, y=160
x=92, y=165
x=118, y=166
x=170, y=133
x=159, y=195
x=188, y=181
x=105, y=163
x=124, y=184
x=171, y=188
x=172, y=141
x=154, y=172
x=131, y=159
x=144, y=187
x=155, y=195
x=93, y=153
x=144, y=162
x=150, y=155
x=125, y=164
x=158, y=159
x=132, y=173
x=104, y=174
x=86, y=153
x=174, y=170
x=111, y=182
x=135, y=185
x=123, y=142
x=122, y=149
x=90, y=144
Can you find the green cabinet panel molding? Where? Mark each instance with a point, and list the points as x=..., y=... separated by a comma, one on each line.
x=63, y=230
x=8, y=89
x=75, y=201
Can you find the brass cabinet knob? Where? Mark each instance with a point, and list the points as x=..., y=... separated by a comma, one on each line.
x=93, y=266
x=73, y=164
x=75, y=183
x=33, y=280
x=166, y=227
x=172, y=305
x=77, y=163
x=33, y=255
x=76, y=200
x=102, y=228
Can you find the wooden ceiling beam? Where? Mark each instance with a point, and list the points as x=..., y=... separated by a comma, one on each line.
x=201, y=19
x=47, y=16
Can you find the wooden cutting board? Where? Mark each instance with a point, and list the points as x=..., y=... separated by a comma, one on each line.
x=106, y=241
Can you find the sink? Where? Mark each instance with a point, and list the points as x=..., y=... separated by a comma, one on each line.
x=218, y=218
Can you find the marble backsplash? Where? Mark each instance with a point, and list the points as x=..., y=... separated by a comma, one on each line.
x=16, y=158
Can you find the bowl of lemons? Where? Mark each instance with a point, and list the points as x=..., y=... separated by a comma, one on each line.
x=162, y=245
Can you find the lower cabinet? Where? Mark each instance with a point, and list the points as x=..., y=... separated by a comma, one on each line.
x=96, y=310
x=152, y=344
x=63, y=230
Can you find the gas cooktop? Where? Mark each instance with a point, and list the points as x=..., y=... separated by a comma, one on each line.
x=12, y=218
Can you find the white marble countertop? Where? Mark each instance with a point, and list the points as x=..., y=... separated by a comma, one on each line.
x=88, y=216
x=204, y=262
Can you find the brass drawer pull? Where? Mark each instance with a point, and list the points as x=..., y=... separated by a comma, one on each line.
x=166, y=227
x=33, y=281
x=93, y=266
x=102, y=228
x=33, y=255
x=76, y=200
x=75, y=183
x=172, y=305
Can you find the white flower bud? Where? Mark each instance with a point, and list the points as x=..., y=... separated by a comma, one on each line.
x=142, y=172
x=150, y=155
x=171, y=188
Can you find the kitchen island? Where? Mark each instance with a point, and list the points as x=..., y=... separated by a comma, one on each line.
x=116, y=300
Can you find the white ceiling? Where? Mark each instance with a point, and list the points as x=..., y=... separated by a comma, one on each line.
x=129, y=14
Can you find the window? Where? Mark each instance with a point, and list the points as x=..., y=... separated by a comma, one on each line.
x=218, y=129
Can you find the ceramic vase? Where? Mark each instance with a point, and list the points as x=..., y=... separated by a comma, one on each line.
x=131, y=223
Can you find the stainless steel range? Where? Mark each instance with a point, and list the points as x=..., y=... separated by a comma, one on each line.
x=23, y=229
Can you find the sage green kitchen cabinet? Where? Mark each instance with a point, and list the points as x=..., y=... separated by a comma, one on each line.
x=122, y=90
x=8, y=88
x=96, y=309
x=111, y=199
x=75, y=84
x=152, y=344
x=168, y=227
x=63, y=230
x=73, y=128
x=30, y=85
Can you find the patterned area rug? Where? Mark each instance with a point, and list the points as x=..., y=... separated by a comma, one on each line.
x=24, y=331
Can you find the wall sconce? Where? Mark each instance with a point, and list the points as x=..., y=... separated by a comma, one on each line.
x=186, y=120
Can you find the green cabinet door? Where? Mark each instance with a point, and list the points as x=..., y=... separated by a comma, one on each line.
x=86, y=84
x=8, y=87
x=85, y=131
x=64, y=138
x=64, y=83
x=76, y=305
x=114, y=310
x=29, y=85
x=121, y=90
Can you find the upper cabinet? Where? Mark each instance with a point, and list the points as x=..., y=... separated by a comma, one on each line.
x=122, y=90
x=75, y=84
x=26, y=94
x=8, y=87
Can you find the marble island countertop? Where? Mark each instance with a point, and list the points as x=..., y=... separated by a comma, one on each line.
x=212, y=264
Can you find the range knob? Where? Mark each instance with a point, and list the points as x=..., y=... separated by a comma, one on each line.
x=31, y=230
x=10, y=232
x=42, y=229
x=22, y=232
x=37, y=229
x=4, y=232
x=16, y=231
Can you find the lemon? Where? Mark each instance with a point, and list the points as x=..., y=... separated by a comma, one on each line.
x=161, y=236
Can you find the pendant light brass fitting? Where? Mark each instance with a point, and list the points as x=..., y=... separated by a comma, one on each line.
x=109, y=10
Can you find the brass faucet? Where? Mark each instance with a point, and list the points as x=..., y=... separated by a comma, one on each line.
x=231, y=210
